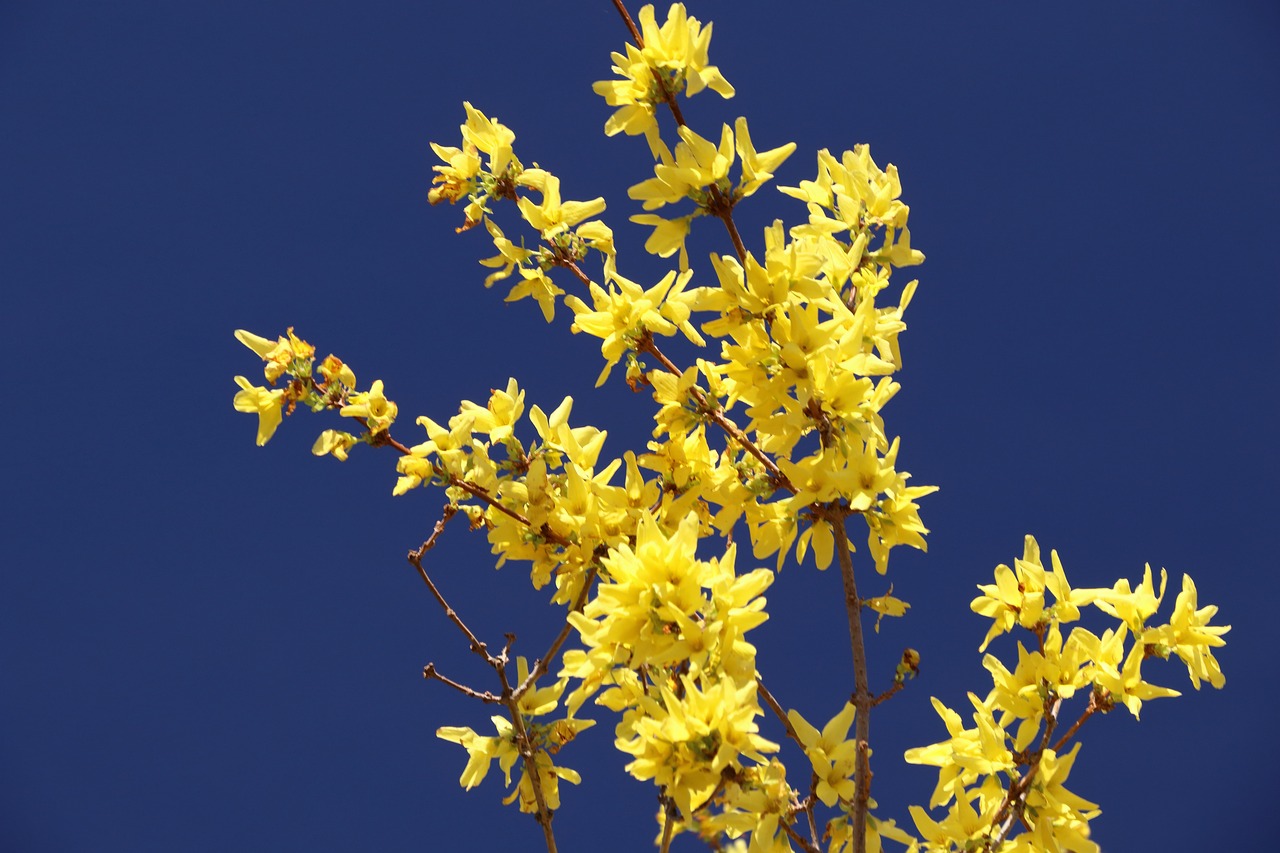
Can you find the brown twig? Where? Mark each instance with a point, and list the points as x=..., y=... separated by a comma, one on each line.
x=720, y=206
x=668, y=824
x=631, y=25
x=1090, y=709
x=415, y=558
x=862, y=692
x=540, y=665
x=499, y=663
x=527, y=753
x=1015, y=800
x=764, y=694
x=808, y=807
x=885, y=696
x=429, y=672
x=385, y=439
x=804, y=843
x=808, y=804
x=572, y=266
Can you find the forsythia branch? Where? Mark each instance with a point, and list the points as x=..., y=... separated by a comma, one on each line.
x=643, y=550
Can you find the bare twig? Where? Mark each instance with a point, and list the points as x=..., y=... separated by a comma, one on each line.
x=499, y=663
x=800, y=841
x=540, y=665
x=1095, y=705
x=631, y=25
x=429, y=672
x=720, y=206
x=415, y=558
x=777, y=710
x=887, y=694
x=809, y=804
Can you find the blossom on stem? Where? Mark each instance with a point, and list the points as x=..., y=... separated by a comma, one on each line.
x=1018, y=595
x=552, y=216
x=832, y=754
x=673, y=59
x=373, y=406
x=267, y=404
x=287, y=354
x=757, y=167
x=622, y=314
x=697, y=164
x=1190, y=636
x=686, y=741
x=336, y=443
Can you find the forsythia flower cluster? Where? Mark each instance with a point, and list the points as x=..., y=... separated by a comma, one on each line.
x=671, y=59
x=776, y=429
x=976, y=763
x=293, y=357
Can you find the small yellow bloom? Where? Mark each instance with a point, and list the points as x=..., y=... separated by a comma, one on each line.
x=833, y=756
x=668, y=235
x=266, y=403
x=553, y=216
x=455, y=179
x=886, y=605
x=697, y=164
x=1191, y=637
x=335, y=443
x=287, y=354
x=508, y=258
x=377, y=411
x=490, y=136
x=757, y=168
x=624, y=312
x=680, y=47
x=482, y=750
x=673, y=59
x=333, y=369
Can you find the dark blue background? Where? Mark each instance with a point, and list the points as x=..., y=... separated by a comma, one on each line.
x=210, y=646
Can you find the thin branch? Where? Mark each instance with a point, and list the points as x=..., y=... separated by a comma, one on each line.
x=385, y=439
x=808, y=804
x=668, y=824
x=1092, y=708
x=429, y=672
x=631, y=25
x=540, y=665
x=862, y=692
x=885, y=696
x=572, y=266
x=508, y=698
x=804, y=843
x=527, y=753
x=1011, y=809
x=777, y=710
x=415, y=558
x=720, y=206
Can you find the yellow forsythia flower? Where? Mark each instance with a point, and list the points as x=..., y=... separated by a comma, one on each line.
x=266, y=403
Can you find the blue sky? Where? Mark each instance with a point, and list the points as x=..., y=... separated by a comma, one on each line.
x=206, y=645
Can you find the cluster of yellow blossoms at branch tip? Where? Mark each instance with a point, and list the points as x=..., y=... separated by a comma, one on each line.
x=773, y=430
